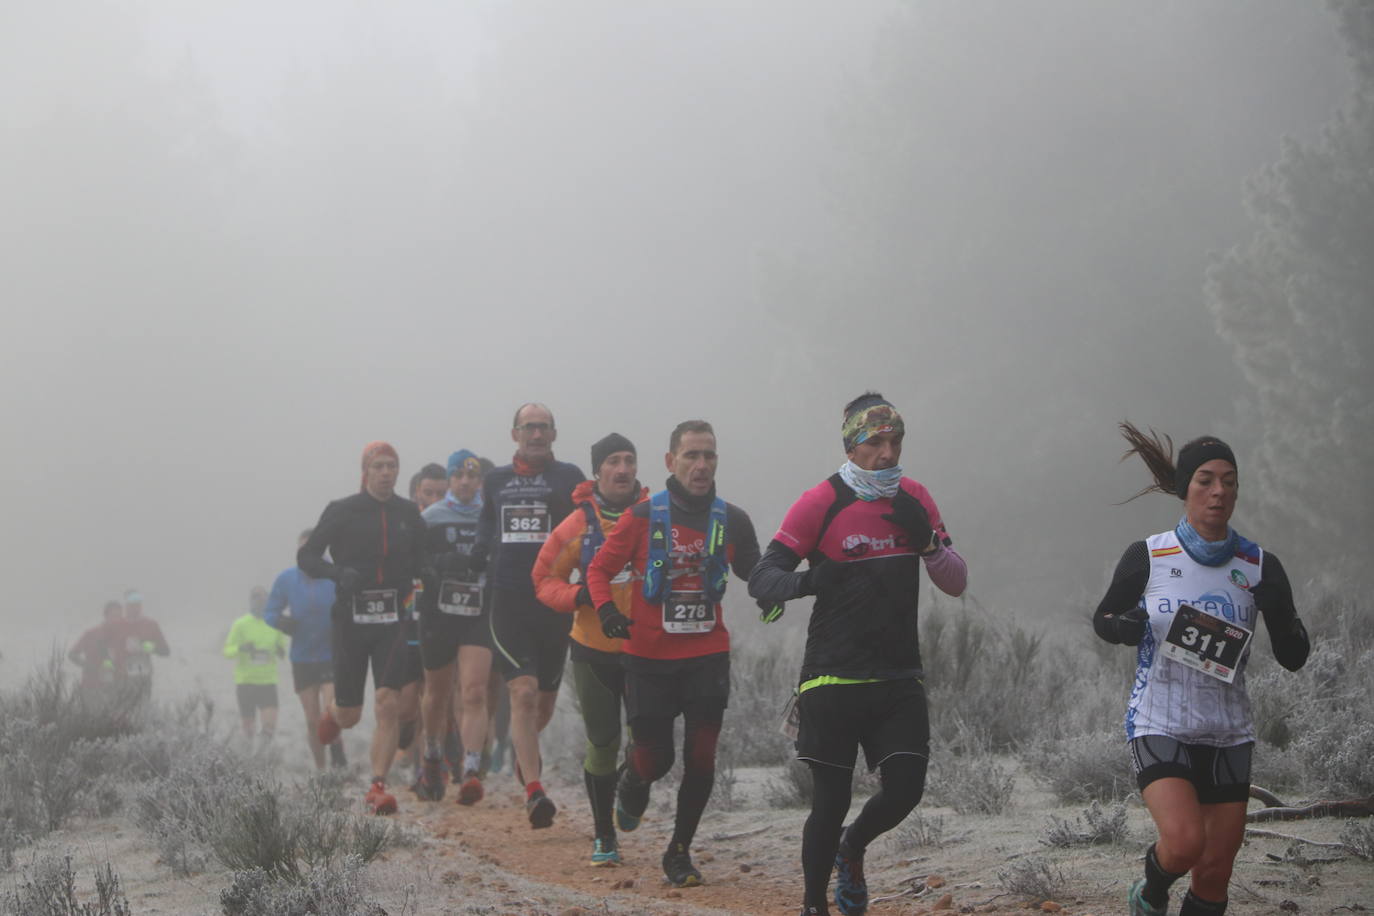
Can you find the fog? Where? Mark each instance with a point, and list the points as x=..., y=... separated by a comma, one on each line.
x=242, y=240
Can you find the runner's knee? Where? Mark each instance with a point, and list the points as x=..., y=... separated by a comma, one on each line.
x=699, y=745
x=650, y=762
x=601, y=758
x=903, y=780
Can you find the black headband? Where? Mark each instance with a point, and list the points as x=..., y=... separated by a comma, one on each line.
x=1194, y=455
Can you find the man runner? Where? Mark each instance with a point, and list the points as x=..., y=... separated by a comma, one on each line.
x=142, y=640
x=310, y=602
x=521, y=504
x=98, y=653
x=255, y=648
x=375, y=539
x=676, y=650
x=455, y=630
x=560, y=576
x=862, y=531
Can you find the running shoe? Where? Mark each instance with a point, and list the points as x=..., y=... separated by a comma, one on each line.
x=630, y=802
x=851, y=891
x=677, y=865
x=605, y=852
x=540, y=809
x=326, y=729
x=471, y=791
x=337, y=758
x=1139, y=906
x=429, y=781
x=379, y=800
x=498, y=755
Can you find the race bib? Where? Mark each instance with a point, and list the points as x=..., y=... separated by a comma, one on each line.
x=525, y=523
x=1206, y=643
x=463, y=599
x=688, y=612
x=138, y=665
x=376, y=605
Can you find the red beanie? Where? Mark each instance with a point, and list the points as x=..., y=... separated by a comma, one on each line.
x=372, y=450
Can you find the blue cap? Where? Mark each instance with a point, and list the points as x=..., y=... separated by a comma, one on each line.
x=461, y=459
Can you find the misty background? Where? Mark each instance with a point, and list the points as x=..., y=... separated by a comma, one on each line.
x=239, y=241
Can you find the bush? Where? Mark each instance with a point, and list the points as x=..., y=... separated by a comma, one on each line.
x=48, y=888
x=760, y=683
x=792, y=787
x=973, y=784
x=1085, y=768
x=920, y=832
x=1095, y=826
x=329, y=890
x=1034, y=878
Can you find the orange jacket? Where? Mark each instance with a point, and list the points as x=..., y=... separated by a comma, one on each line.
x=560, y=556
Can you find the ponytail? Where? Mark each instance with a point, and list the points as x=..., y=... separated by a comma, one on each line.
x=1157, y=451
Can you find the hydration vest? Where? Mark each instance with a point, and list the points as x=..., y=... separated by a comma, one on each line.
x=717, y=570
x=592, y=538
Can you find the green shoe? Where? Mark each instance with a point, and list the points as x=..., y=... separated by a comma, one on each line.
x=605, y=852
x=1139, y=906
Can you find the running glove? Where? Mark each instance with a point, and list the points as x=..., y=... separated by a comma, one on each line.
x=909, y=515
x=287, y=624
x=770, y=611
x=346, y=582
x=613, y=623
x=477, y=560
x=1130, y=626
x=822, y=576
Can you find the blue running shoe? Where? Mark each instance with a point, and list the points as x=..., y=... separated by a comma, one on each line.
x=605, y=852
x=1139, y=906
x=631, y=798
x=851, y=891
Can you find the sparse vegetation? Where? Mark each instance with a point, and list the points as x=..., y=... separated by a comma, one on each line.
x=1095, y=826
x=921, y=832
x=335, y=889
x=48, y=888
x=1084, y=768
x=1035, y=878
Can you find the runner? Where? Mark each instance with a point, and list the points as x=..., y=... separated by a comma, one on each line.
x=1188, y=599
x=375, y=539
x=861, y=531
x=676, y=649
x=521, y=504
x=255, y=647
x=560, y=575
x=97, y=653
x=142, y=640
x=312, y=659
x=428, y=485
x=455, y=631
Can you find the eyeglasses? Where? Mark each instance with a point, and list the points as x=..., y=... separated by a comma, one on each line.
x=534, y=427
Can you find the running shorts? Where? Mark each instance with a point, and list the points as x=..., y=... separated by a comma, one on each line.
x=253, y=697
x=383, y=646
x=441, y=634
x=311, y=674
x=885, y=718
x=528, y=639
x=664, y=688
x=1219, y=774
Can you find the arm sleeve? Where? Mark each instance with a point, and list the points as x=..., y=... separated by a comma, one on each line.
x=947, y=569
x=774, y=577
x=310, y=558
x=745, y=542
x=231, y=642
x=553, y=567
x=611, y=558
x=1274, y=598
x=276, y=601
x=1127, y=588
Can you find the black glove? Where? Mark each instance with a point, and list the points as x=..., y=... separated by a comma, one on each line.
x=770, y=611
x=346, y=582
x=287, y=624
x=823, y=576
x=909, y=515
x=1130, y=626
x=584, y=597
x=477, y=560
x=429, y=580
x=613, y=623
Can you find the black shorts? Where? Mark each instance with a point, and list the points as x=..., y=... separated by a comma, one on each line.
x=884, y=718
x=383, y=645
x=311, y=674
x=253, y=697
x=1219, y=774
x=441, y=634
x=664, y=688
x=529, y=639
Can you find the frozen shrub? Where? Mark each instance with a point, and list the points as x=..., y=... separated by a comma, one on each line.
x=1084, y=768
x=48, y=888
x=1359, y=836
x=1095, y=826
x=920, y=832
x=792, y=787
x=760, y=683
x=330, y=890
x=973, y=784
x=1034, y=878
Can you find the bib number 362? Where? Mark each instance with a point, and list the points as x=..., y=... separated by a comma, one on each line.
x=1206, y=643
x=688, y=612
x=525, y=523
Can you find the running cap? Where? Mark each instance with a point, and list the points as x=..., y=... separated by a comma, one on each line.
x=869, y=415
x=605, y=448
x=1194, y=455
x=463, y=460
x=133, y=596
x=372, y=450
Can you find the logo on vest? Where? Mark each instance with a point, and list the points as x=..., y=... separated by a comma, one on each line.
x=1238, y=577
x=1175, y=573
x=858, y=545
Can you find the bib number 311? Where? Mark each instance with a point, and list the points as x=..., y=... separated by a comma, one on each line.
x=1206, y=643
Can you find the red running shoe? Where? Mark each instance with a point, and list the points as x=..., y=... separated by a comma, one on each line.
x=379, y=800
x=471, y=791
x=327, y=730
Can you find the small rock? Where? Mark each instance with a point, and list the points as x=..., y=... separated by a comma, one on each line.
x=623, y=885
x=675, y=893
x=944, y=903
x=1288, y=906
x=745, y=867
x=935, y=881
x=1049, y=906
x=966, y=909
x=573, y=911
x=706, y=857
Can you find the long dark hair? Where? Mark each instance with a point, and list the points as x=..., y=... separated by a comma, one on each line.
x=1157, y=451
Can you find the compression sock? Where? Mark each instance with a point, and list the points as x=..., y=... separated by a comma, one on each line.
x=472, y=762
x=601, y=794
x=821, y=834
x=1157, y=880
x=1193, y=905
x=532, y=787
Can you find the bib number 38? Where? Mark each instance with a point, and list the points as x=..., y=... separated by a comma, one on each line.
x=376, y=605
x=1206, y=643
x=688, y=612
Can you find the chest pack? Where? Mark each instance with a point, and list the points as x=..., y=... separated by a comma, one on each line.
x=592, y=539
x=716, y=571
